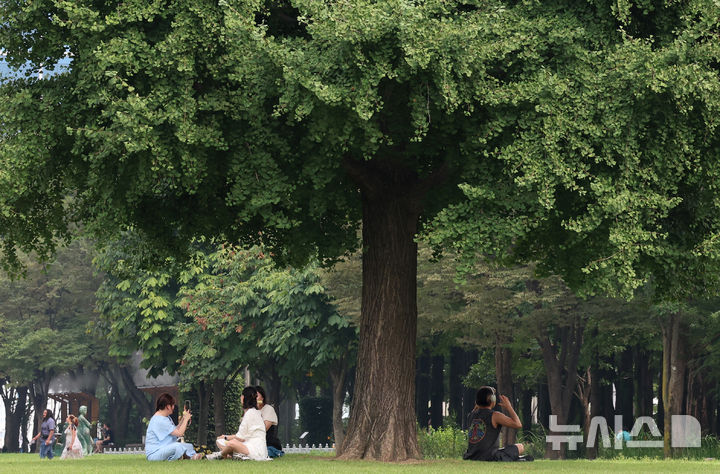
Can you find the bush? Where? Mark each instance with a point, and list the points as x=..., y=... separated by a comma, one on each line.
x=442, y=443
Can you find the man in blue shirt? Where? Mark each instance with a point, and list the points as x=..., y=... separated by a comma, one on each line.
x=161, y=442
x=46, y=435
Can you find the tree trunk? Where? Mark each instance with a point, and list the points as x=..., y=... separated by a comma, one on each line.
x=383, y=427
x=145, y=407
x=503, y=375
x=456, y=372
x=561, y=361
x=218, y=388
x=624, y=388
x=469, y=393
x=422, y=392
x=204, y=392
x=544, y=409
x=673, y=377
x=338, y=373
x=287, y=414
x=437, y=391
x=15, y=402
x=643, y=381
x=526, y=410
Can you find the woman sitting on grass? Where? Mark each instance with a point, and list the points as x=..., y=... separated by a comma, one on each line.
x=249, y=441
x=161, y=439
x=271, y=424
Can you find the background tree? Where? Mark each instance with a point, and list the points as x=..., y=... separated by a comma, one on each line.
x=43, y=329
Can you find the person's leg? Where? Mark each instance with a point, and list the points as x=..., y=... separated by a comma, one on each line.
x=50, y=451
x=189, y=450
x=42, y=449
x=235, y=446
x=171, y=452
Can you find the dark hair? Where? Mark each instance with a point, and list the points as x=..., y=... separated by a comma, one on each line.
x=249, y=397
x=48, y=414
x=163, y=401
x=261, y=391
x=483, y=397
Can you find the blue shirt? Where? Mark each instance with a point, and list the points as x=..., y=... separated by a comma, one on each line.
x=158, y=433
x=46, y=427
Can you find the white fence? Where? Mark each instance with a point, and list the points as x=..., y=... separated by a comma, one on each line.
x=294, y=449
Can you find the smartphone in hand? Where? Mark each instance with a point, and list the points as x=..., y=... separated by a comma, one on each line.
x=187, y=408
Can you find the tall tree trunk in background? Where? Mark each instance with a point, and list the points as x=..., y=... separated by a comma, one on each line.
x=204, y=392
x=643, y=381
x=422, y=389
x=503, y=375
x=544, y=409
x=286, y=413
x=561, y=361
x=469, y=393
x=15, y=402
x=383, y=427
x=437, y=391
x=144, y=404
x=338, y=372
x=661, y=406
x=456, y=371
x=526, y=410
x=218, y=388
x=624, y=388
x=673, y=378
x=584, y=393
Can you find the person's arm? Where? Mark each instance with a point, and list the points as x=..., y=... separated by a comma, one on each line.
x=180, y=430
x=72, y=440
x=50, y=437
x=512, y=421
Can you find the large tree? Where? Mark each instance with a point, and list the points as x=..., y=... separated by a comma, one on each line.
x=303, y=119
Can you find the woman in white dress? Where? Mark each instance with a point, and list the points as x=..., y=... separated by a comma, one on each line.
x=73, y=448
x=250, y=437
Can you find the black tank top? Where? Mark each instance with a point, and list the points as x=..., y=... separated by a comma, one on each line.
x=482, y=435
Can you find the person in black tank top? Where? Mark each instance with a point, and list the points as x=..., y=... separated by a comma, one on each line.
x=484, y=429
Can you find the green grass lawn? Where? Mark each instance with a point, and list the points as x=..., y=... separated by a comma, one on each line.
x=302, y=463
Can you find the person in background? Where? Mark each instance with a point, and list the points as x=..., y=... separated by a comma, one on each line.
x=107, y=438
x=46, y=435
x=270, y=419
x=73, y=448
x=161, y=439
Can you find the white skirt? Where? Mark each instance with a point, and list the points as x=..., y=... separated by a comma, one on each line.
x=257, y=448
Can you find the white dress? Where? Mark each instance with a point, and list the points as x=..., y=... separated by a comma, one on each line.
x=252, y=430
x=75, y=451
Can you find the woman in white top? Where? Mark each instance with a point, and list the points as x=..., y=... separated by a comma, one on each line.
x=250, y=438
x=73, y=448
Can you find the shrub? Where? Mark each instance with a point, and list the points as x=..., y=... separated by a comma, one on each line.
x=442, y=443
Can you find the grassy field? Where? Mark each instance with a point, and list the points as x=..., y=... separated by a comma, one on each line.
x=301, y=463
